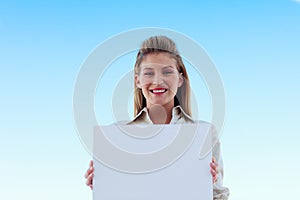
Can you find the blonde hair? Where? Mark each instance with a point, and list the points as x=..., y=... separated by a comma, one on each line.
x=158, y=44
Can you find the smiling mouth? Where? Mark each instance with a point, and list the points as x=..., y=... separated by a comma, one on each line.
x=158, y=91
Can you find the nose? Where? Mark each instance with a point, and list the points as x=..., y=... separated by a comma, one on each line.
x=158, y=79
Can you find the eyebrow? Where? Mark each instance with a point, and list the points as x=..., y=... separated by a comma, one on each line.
x=168, y=66
x=147, y=68
x=150, y=68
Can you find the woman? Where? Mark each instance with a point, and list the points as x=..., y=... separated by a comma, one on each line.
x=162, y=96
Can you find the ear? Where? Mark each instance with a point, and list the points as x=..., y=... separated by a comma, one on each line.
x=137, y=81
x=180, y=80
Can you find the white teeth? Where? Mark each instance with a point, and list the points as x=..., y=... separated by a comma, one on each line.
x=158, y=91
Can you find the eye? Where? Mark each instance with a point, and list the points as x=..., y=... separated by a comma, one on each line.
x=148, y=73
x=168, y=72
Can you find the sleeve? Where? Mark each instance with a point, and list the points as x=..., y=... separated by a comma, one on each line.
x=219, y=191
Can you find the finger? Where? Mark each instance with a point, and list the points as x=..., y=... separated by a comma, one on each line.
x=89, y=180
x=215, y=179
x=213, y=172
x=89, y=171
x=213, y=166
x=91, y=163
x=215, y=162
x=214, y=176
x=213, y=159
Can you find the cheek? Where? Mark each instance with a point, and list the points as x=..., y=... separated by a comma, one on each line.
x=173, y=83
x=144, y=86
x=145, y=82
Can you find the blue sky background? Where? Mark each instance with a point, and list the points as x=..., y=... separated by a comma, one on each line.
x=254, y=44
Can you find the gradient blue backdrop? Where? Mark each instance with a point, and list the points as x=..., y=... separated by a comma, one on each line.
x=254, y=44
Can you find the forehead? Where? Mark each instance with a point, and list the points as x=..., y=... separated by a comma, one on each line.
x=159, y=59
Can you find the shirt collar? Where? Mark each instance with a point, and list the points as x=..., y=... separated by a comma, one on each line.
x=177, y=115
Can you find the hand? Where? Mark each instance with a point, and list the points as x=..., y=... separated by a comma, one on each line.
x=89, y=175
x=214, y=169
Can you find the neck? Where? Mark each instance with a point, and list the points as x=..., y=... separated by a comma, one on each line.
x=160, y=114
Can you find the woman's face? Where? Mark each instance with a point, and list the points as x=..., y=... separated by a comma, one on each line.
x=159, y=79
